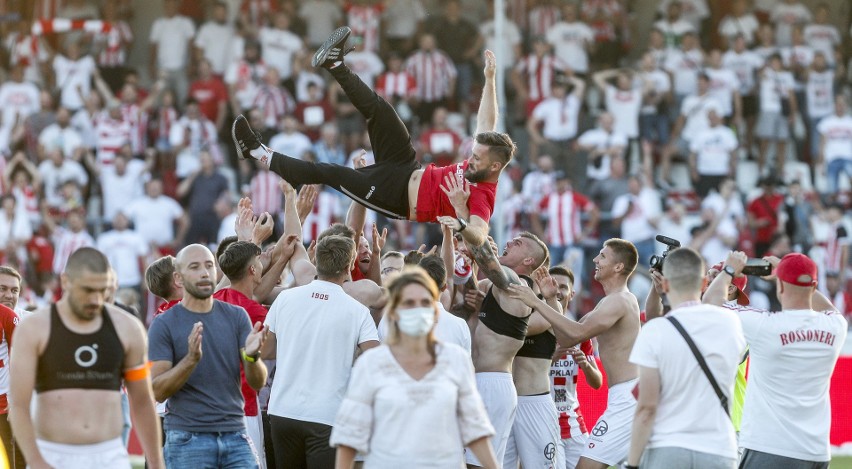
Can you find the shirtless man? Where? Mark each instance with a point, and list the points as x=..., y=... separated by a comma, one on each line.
x=80, y=351
x=500, y=329
x=615, y=322
x=395, y=186
x=535, y=437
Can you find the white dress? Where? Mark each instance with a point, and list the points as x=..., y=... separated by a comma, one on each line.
x=397, y=421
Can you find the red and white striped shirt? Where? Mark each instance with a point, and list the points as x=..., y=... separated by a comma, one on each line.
x=166, y=117
x=432, y=72
x=321, y=217
x=110, y=135
x=138, y=122
x=563, y=390
x=114, y=53
x=264, y=192
x=396, y=85
x=541, y=18
x=539, y=73
x=274, y=103
x=563, y=215
x=65, y=243
x=365, y=21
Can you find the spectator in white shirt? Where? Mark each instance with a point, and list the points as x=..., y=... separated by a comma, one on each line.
x=18, y=98
x=602, y=145
x=745, y=64
x=786, y=423
x=725, y=87
x=364, y=63
x=56, y=170
x=154, y=217
x=170, y=47
x=821, y=35
x=777, y=112
x=279, y=46
x=711, y=155
x=693, y=11
x=73, y=76
x=692, y=119
x=401, y=19
x=558, y=117
x=673, y=26
x=214, y=40
x=376, y=416
x=507, y=47
x=121, y=182
x=786, y=15
x=290, y=141
x=835, y=156
x=819, y=96
x=15, y=229
x=538, y=182
x=624, y=99
x=740, y=22
x=244, y=77
x=189, y=136
x=62, y=136
x=680, y=420
x=571, y=39
x=638, y=212
x=321, y=17
x=654, y=124
x=685, y=64
x=126, y=251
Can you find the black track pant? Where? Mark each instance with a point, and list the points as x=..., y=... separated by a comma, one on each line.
x=382, y=187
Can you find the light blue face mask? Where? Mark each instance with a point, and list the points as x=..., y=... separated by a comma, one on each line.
x=416, y=322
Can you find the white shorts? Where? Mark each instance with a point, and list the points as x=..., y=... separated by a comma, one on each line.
x=501, y=400
x=254, y=430
x=535, y=438
x=572, y=449
x=110, y=454
x=609, y=439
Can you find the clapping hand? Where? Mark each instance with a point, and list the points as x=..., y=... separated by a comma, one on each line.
x=256, y=338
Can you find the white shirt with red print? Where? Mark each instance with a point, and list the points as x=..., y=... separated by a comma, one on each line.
x=564, y=374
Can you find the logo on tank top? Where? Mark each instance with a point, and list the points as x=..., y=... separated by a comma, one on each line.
x=86, y=355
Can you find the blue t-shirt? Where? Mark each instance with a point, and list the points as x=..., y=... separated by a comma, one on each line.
x=211, y=400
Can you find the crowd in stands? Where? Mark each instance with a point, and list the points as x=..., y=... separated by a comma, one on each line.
x=723, y=130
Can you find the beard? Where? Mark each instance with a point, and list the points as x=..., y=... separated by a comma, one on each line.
x=201, y=292
x=475, y=176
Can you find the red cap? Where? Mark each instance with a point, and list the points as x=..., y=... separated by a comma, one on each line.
x=740, y=282
x=797, y=269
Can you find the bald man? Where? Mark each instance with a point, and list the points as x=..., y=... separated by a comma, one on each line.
x=204, y=424
x=75, y=355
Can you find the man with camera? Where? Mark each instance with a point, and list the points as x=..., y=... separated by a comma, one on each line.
x=787, y=415
x=687, y=365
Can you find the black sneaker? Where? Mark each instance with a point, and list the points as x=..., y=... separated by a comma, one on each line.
x=332, y=50
x=245, y=138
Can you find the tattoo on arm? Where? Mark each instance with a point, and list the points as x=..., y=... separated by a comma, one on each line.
x=486, y=259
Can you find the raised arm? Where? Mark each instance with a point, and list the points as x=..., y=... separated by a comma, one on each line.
x=486, y=118
x=568, y=332
x=484, y=256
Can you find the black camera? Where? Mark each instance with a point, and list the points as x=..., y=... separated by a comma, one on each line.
x=656, y=261
x=758, y=267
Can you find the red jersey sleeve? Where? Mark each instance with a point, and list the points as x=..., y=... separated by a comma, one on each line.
x=9, y=320
x=587, y=348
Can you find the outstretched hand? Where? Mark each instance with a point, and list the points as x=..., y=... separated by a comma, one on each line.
x=547, y=284
x=306, y=200
x=256, y=338
x=523, y=293
x=458, y=191
x=379, y=241
x=490, y=64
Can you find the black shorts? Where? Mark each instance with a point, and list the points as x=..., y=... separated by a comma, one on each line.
x=750, y=105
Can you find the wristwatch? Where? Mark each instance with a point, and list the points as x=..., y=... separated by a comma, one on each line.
x=730, y=271
x=462, y=225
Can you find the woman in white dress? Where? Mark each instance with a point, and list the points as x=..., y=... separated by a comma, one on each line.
x=412, y=402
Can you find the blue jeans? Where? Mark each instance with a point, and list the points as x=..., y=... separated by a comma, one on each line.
x=835, y=167
x=209, y=450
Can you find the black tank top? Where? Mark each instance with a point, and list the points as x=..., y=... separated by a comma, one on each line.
x=538, y=346
x=80, y=361
x=501, y=322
